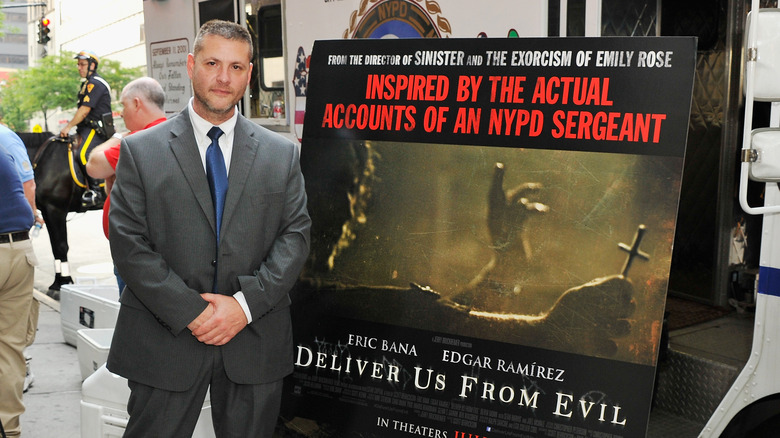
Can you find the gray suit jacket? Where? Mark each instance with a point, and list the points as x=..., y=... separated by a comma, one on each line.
x=162, y=237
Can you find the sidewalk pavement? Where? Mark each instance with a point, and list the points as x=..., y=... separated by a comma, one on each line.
x=53, y=401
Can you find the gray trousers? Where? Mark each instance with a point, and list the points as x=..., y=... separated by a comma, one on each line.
x=238, y=411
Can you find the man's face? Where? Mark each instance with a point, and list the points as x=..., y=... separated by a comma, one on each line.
x=83, y=65
x=220, y=74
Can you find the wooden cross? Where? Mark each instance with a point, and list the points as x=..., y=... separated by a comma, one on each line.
x=633, y=250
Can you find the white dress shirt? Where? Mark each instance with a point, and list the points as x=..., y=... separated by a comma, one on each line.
x=201, y=127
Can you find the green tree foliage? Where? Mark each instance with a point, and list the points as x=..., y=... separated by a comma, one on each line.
x=54, y=83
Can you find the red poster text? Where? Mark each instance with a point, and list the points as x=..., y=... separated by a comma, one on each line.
x=609, y=126
x=374, y=117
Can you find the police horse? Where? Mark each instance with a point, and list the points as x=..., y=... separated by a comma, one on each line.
x=60, y=181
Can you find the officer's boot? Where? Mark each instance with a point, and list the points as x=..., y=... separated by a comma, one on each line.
x=94, y=197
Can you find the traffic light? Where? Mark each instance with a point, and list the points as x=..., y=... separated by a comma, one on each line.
x=43, y=30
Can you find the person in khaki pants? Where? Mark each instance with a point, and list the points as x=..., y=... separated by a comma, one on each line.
x=18, y=308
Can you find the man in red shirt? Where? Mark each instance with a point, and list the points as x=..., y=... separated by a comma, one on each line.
x=142, y=101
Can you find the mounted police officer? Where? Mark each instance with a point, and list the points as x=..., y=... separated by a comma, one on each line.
x=93, y=120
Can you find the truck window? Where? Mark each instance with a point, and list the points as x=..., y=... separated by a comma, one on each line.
x=267, y=85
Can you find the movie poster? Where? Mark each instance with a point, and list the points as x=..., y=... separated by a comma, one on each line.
x=492, y=234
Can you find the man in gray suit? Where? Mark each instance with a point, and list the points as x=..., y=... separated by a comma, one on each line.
x=206, y=306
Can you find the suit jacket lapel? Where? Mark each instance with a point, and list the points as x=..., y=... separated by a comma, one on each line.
x=245, y=148
x=185, y=149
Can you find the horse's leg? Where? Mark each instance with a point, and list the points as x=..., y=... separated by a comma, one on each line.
x=58, y=237
x=54, y=195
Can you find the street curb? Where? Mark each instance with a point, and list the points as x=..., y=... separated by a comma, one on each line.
x=47, y=300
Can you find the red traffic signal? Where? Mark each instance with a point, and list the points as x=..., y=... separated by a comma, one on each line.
x=43, y=31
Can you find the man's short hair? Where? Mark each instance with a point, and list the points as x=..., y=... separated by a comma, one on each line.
x=225, y=29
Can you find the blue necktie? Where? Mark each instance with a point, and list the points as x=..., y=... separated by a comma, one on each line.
x=217, y=175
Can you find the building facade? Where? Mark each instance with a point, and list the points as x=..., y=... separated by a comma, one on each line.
x=14, y=39
x=113, y=29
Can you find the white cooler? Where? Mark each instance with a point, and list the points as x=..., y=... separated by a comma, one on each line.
x=104, y=398
x=87, y=306
x=93, y=346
